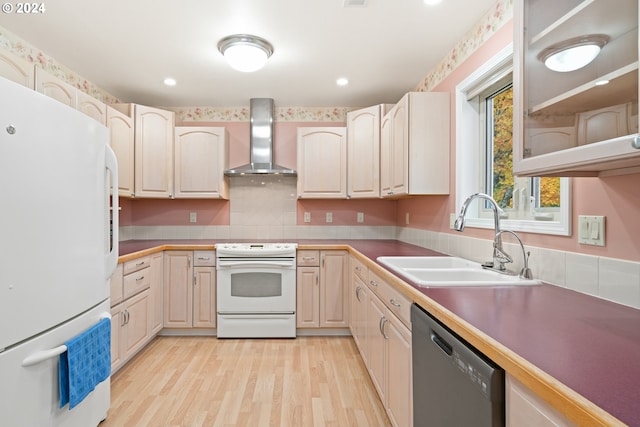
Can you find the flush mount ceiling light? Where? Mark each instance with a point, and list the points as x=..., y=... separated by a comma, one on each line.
x=573, y=54
x=244, y=52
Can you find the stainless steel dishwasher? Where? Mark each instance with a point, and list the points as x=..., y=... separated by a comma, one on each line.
x=453, y=383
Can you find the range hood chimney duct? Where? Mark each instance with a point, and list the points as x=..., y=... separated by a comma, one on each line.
x=261, y=142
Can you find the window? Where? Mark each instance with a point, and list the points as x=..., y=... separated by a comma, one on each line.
x=484, y=157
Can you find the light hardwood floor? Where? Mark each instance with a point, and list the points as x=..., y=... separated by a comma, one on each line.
x=203, y=381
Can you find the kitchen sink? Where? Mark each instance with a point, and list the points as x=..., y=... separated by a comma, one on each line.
x=449, y=271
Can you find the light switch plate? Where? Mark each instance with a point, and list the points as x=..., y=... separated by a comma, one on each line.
x=307, y=217
x=360, y=217
x=591, y=230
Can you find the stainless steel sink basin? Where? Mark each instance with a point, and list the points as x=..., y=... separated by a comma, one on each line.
x=449, y=271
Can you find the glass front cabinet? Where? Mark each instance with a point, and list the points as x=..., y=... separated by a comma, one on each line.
x=583, y=119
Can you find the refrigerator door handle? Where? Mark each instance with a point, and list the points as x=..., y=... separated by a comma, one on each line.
x=43, y=355
x=111, y=259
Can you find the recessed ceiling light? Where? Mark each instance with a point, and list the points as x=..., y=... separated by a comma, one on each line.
x=169, y=81
x=342, y=81
x=431, y=2
x=602, y=82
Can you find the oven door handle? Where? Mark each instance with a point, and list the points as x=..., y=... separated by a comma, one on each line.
x=250, y=264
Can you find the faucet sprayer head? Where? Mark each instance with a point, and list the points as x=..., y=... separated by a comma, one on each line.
x=458, y=225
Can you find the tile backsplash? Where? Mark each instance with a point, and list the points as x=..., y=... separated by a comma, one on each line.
x=271, y=202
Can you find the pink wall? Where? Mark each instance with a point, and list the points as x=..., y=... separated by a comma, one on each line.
x=617, y=198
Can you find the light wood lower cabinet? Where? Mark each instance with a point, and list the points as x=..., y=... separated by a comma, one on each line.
x=157, y=292
x=359, y=303
x=525, y=409
x=388, y=352
x=322, y=289
x=189, y=290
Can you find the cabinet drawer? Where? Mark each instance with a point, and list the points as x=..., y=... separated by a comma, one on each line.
x=137, y=282
x=204, y=258
x=308, y=258
x=359, y=269
x=375, y=283
x=136, y=264
x=397, y=303
x=116, y=285
x=393, y=299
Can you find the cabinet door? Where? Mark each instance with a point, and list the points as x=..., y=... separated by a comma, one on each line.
x=156, y=296
x=334, y=289
x=17, y=69
x=322, y=162
x=117, y=286
x=116, y=337
x=385, y=156
x=399, y=170
x=399, y=391
x=55, y=88
x=137, y=326
x=121, y=141
x=524, y=408
x=307, y=297
x=200, y=161
x=363, y=152
x=204, y=297
x=153, y=152
x=359, y=302
x=178, y=289
x=376, y=344
x=92, y=107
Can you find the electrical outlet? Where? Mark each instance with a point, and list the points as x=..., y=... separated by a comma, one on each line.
x=360, y=217
x=307, y=217
x=193, y=217
x=329, y=217
x=406, y=218
x=452, y=220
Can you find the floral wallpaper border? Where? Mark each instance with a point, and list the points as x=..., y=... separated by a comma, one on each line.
x=500, y=13
x=18, y=47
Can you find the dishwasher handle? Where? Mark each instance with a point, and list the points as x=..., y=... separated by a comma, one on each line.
x=441, y=343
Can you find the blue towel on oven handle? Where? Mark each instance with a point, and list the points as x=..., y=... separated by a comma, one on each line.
x=85, y=364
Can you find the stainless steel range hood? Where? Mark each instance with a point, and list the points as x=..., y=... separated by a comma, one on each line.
x=261, y=142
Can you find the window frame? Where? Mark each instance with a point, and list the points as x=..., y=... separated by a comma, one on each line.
x=470, y=156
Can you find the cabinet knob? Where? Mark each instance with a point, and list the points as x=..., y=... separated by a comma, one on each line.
x=635, y=143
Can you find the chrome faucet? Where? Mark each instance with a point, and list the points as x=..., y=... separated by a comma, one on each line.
x=525, y=273
x=499, y=256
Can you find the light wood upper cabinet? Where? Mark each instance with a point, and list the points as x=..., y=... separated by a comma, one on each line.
x=414, y=156
x=121, y=140
x=90, y=106
x=322, y=162
x=154, y=134
x=53, y=87
x=200, y=157
x=599, y=123
x=17, y=69
x=363, y=152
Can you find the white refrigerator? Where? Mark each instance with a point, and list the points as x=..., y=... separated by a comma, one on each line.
x=56, y=253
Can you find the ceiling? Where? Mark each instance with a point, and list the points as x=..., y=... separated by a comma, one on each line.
x=127, y=48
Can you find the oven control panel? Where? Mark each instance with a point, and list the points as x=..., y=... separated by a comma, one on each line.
x=256, y=249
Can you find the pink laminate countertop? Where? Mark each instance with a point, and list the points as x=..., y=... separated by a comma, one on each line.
x=588, y=344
